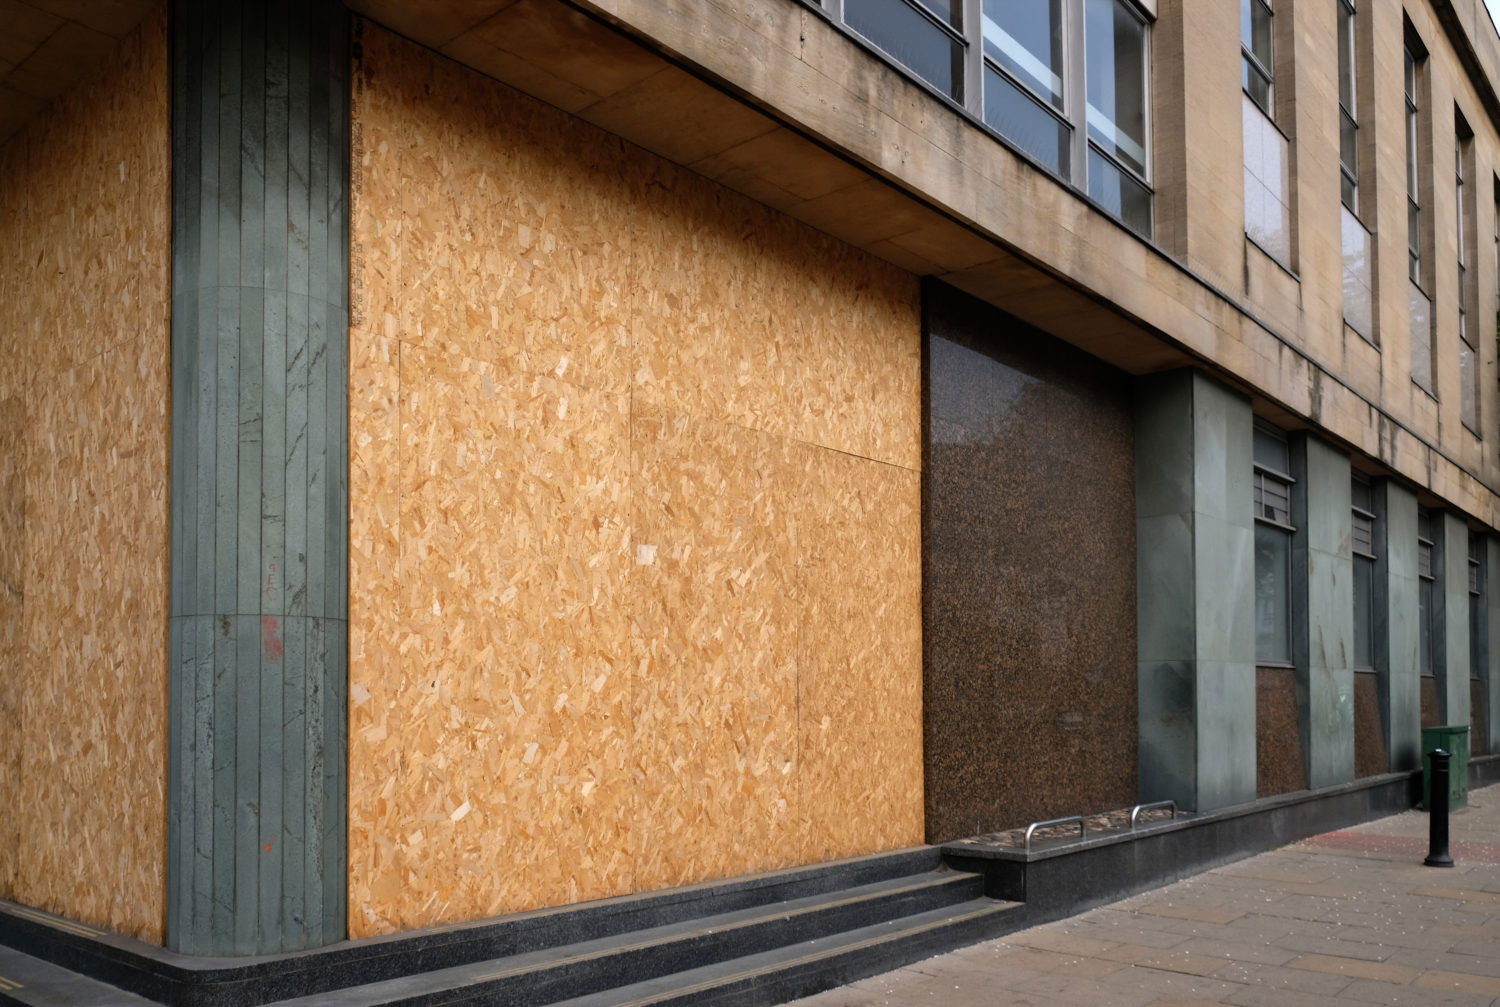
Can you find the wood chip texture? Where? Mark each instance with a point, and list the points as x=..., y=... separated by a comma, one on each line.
x=84, y=290
x=635, y=594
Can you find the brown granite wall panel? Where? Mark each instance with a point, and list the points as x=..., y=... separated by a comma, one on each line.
x=1370, y=757
x=1280, y=764
x=635, y=533
x=1029, y=572
x=1479, y=734
x=1431, y=715
x=84, y=288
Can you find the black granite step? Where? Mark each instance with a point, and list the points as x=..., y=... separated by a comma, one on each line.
x=230, y=982
x=583, y=967
x=809, y=967
x=31, y=982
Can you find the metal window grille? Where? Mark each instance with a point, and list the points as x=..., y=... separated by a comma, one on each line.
x=1273, y=498
x=1364, y=534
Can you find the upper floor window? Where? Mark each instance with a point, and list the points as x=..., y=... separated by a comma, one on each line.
x=1418, y=160
x=1348, y=110
x=1268, y=161
x=926, y=37
x=1066, y=81
x=1258, y=67
x=1356, y=243
x=1468, y=335
x=1413, y=169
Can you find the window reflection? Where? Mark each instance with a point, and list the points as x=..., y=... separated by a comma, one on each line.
x=912, y=39
x=1026, y=123
x=1027, y=40
x=1115, y=45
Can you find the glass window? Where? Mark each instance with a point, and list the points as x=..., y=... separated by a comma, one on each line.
x=1027, y=40
x=1478, y=616
x=1421, y=337
x=1026, y=122
x=1426, y=610
x=1255, y=51
x=1413, y=204
x=1023, y=59
x=914, y=36
x=1119, y=193
x=1364, y=572
x=1468, y=350
x=1358, y=286
x=1268, y=209
x=1364, y=613
x=1273, y=552
x=1115, y=46
x=1348, y=121
x=1273, y=547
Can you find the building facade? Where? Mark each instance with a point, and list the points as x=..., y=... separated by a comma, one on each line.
x=466, y=458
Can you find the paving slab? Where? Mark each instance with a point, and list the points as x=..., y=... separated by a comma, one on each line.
x=1345, y=918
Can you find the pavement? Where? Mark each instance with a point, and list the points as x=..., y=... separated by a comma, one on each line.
x=1344, y=918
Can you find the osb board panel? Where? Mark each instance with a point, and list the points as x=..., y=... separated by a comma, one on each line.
x=860, y=683
x=601, y=580
x=84, y=353
x=751, y=317
x=12, y=643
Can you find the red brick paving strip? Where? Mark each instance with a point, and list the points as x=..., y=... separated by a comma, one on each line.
x=1366, y=842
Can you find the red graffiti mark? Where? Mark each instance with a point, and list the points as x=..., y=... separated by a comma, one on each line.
x=268, y=847
x=270, y=634
x=271, y=582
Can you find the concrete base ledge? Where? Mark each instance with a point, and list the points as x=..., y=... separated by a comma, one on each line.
x=1055, y=879
x=202, y=981
x=1060, y=878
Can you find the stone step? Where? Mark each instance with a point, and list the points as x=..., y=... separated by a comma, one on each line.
x=592, y=966
x=808, y=967
x=34, y=983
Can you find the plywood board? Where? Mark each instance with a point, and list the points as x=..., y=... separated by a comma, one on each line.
x=860, y=654
x=613, y=430
x=714, y=624
x=85, y=350
x=741, y=313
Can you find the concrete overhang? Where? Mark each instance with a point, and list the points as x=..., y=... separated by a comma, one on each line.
x=47, y=46
x=771, y=98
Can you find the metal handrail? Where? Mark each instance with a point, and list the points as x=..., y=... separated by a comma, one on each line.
x=1135, y=811
x=1083, y=827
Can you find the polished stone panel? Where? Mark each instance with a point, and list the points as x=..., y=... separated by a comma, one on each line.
x=1279, y=760
x=1029, y=572
x=1453, y=667
x=1195, y=591
x=1396, y=621
x=1370, y=758
x=1323, y=609
x=1432, y=714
